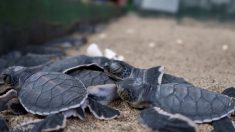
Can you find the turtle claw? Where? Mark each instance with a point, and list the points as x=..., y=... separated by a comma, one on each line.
x=229, y=92
x=222, y=125
x=159, y=120
x=15, y=106
x=3, y=125
x=5, y=98
x=101, y=111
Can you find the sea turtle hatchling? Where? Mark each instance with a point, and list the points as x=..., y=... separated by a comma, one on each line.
x=52, y=94
x=197, y=104
x=155, y=75
x=99, y=85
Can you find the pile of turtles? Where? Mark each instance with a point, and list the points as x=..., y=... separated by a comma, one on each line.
x=68, y=86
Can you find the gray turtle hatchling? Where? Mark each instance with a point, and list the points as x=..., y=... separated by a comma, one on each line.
x=197, y=104
x=99, y=85
x=121, y=70
x=155, y=75
x=52, y=94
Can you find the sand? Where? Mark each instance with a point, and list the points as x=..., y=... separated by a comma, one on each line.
x=201, y=52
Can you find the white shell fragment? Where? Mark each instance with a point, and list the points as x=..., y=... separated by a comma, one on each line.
x=93, y=50
x=112, y=55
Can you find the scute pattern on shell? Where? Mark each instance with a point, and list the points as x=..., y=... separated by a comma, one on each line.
x=196, y=103
x=92, y=78
x=46, y=93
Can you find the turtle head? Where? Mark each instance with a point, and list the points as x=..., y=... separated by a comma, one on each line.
x=11, y=75
x=118, y=69
x=130, y=90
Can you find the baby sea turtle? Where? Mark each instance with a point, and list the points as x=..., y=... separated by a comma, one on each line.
x=99, y=85
x=28, y=60
x=155, y=75
x=52, y=94
x=197, y=104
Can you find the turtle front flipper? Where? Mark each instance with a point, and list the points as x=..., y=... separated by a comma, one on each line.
x=103, y=94
x=3, y=125
x=5, y=98
x=51, y=123
x=154, y=75
x=229, y=92
x=222, y=125
x=159, y=120
x=15, y=107
x=101, y=111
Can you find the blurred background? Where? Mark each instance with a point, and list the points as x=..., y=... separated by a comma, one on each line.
x=30, y=22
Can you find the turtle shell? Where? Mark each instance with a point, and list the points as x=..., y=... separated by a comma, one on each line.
x=47, y=93
x=90, y=76
x=196, y=103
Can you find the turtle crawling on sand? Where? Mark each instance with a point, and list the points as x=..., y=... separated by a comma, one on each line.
x=197, y=104
x=52, y=94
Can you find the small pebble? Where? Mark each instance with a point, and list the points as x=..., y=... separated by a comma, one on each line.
x=152, y=44
x=225, y=47
x=103, y=36
x=179, y=41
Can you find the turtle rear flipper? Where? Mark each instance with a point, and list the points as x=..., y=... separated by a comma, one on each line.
x=5, y=98
x=15, y=106
x=101, y=111
x=159, y=120
x=3, y=125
